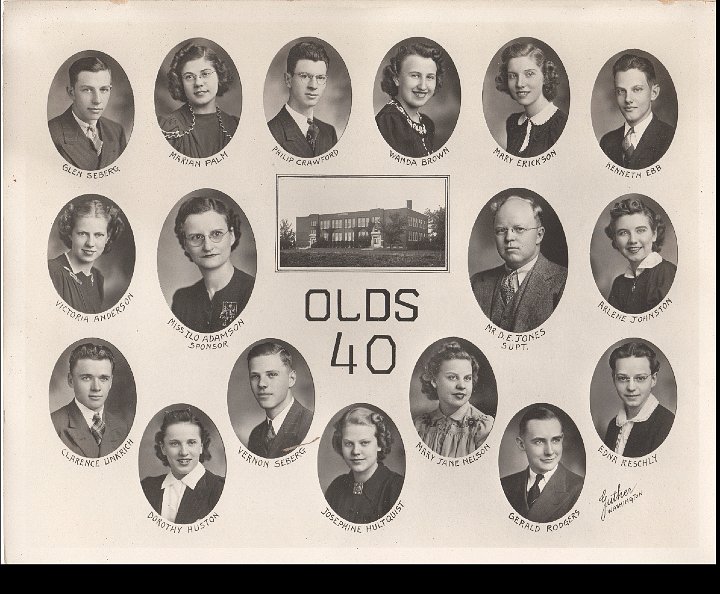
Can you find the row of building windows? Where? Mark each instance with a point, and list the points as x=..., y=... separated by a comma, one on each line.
x=415, y=236
x=345, y=236
x=350, y=223
x=415, y=222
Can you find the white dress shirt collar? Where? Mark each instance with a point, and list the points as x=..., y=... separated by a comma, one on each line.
x=84, y=126
x=544, y=481
x=189, y=480
x=87, y=413
x=626, y=425
x=639, y=129
x=300, y=119
x=522, y=272
x=279, y=419
x=539, y=118
x=173, y=490
x=650, y=261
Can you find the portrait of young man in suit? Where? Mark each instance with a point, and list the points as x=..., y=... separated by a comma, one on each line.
x=81, y=134
x=272, y=377
x=522, y=293
x=546, y=490
x=84, y=424
x=643, y=138
x=295, y=128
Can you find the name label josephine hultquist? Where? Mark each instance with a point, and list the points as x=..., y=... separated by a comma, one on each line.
x=520, y=162
x=431, y=456
x=173, y=528
x=197, y=163
x=254, y=460
x=363, y=528
x=521, y=522
x=102, y=174
x=97, y=462
x=99, y=317
x=613, y=313
x=319, y=306
x=515, y=341
x=200, y=341
x=631, y=173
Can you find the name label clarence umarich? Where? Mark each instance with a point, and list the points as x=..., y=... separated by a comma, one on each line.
x=511, y=341
x=83, y=462
x=438, y=460
x=200, y=341
x=173, y=528
x=613, y=313
x=361, y=528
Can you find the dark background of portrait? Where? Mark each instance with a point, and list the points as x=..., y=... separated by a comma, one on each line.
x=443, y=108
x=484, y=395
x=606, y=115
x=512, y=459
x=175, y=270
x=245, y=413
x=497, y=106
x=120, y=108
x=331, y=464
x=230, y=102
x=607, y=263
x=116, y=267
x=482, y=253
x=334, y=105
x=150, y=465
x=604, y=400
x=122, y=398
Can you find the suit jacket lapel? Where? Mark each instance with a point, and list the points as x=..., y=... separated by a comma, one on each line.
x=79, y=432
x=294, y=136
x=77, y=145
x=647, y=143
x=287, y=434
x=533, y=289
x=552, y=495
x=113, y=437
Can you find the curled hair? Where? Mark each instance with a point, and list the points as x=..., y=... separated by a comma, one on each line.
x=537, y=413
x=199, y=205
x=193, y=51
x=174, y=417
x=271, y=348
x=91, y=205
x=89, y=64
x=306, y=50
x=447, y=352
x=90, y=350
x=497, y=203
x=633, y=61
x=634, y=205
x=551, y=73
x=392, y=70
x=638, y=350
x=360, y=415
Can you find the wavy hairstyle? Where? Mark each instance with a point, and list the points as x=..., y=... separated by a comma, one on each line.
x=88, y=64
x=537, y=413
x=306, y=50
x=174, y=417
x=551, y=74
x=90, y=350
x=638, y=350
x=199, y=205
x=632, y=61
x=91, y=205
x=392, y=70
x=360, y=415
x=447, y=352
x=634, y=205
x=194, y=51
x=497, y=203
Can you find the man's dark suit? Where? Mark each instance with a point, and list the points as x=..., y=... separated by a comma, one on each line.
x=195, y=504
x=78, y=150
x=289, y=136
x=71, y=427
x=556, y=499
x=532, y=304
x=292, y=432
x=654, y=143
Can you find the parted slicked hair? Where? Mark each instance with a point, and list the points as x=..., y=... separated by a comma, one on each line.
x=89, y=64
x=638, y=350
x=360, y=415
x=306, y=50
x=447, y=352
x=537, y=413
x=90, y=350
x=497, y=203
x=271, y=348
x=91, y=205
x=199, y=205
x=174, y=417
x=551, y=74
x=194, y=51
x=634, y=205
x=424, y=50
x=633, y=61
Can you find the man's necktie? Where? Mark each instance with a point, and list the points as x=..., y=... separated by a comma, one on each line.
x=508, y=287
x=98, y=428
x=628, y=145
x=269, y=435
x=534, y=491
x=312, y=133
x=95, y=139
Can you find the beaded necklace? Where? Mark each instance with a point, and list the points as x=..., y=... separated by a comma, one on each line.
x=179, y=134
x=419, y=128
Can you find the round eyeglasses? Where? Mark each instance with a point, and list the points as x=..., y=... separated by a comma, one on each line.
x=189, y=77
x=517, y=230
x=198, y=239
x=320, y=79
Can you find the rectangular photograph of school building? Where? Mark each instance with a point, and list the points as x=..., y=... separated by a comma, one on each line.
x=398, y=223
